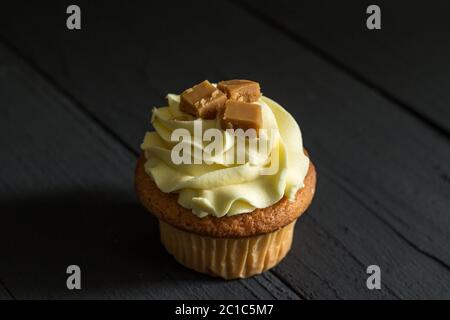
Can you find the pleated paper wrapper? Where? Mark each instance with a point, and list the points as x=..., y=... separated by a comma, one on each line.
x=228, y=258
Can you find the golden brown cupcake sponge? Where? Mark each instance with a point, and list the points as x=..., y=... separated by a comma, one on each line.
x=260, y=221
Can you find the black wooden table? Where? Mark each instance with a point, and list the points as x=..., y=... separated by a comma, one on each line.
x=374, y=108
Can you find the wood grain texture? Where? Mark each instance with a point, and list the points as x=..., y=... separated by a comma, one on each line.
x=382, y=174
x=67, y=198
x=407, y=60
x=4, y=293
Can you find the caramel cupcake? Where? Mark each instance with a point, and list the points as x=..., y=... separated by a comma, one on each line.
x=226, y=206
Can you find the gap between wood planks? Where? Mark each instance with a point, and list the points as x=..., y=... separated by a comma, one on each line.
x=125, y=145
x=8, y=292
x=259, y=14
x=355, y=197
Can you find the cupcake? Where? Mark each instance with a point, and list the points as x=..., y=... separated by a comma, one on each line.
x=226, y=174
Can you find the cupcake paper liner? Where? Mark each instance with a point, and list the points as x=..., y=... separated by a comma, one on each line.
x=227, y=257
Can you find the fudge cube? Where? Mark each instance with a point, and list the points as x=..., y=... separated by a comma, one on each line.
x=242, y=115
x=202, y=100
x=240, y=90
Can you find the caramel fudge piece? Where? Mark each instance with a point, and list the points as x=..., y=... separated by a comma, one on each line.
x=202, y=100
x=240, y=90
x=242, y=115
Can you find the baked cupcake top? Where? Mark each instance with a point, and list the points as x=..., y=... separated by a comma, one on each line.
x=225, y=149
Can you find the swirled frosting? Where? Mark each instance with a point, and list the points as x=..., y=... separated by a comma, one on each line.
x=214, y=187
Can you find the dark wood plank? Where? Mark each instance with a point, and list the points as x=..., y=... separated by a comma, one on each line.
x=373, y=205
x=4, y=294
x=67, y=198
x=408, y=59
x=340, y=237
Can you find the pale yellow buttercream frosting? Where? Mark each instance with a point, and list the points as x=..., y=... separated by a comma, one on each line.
x=216, y=187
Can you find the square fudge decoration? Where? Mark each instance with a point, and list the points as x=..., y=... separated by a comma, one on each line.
x=240, y=90
x=202, y=100
x=242, y=115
